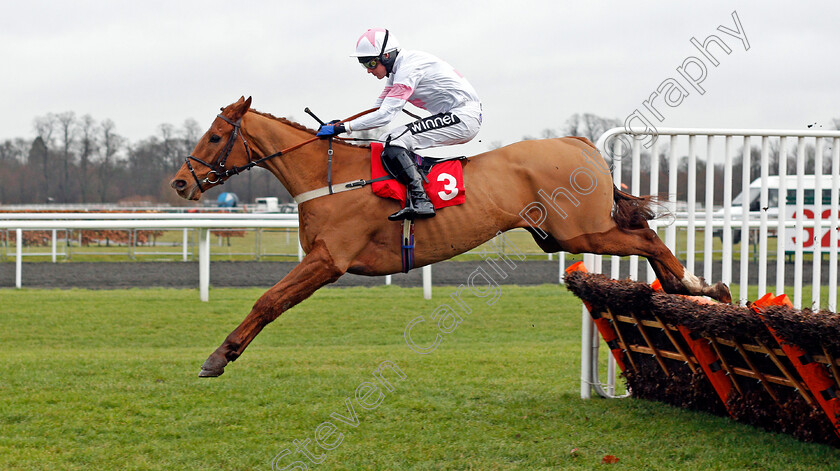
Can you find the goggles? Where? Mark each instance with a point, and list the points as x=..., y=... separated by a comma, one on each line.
x=369, y=62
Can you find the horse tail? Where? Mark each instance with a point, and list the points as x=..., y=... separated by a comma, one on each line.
x=629, y=212
x=632, y=212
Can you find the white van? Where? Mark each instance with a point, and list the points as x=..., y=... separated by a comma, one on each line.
x=268, y=204
x=809, y=183
x=753, y=199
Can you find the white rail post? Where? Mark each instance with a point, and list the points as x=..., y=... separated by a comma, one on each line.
x=781, y=231
x=561, y=264
x=835, y=208
x=691, y=200
x=654, y=190
x=427, y=282
x=726, y=269
x=54, y=245
x=709, y=231
x=800, y=219
x=204, y=264
x=300, y=247
x=816, y=279
x=617, y=180
x=763, y=207
x=18, y=258
x=671, y=230
x=258, y=232
x=586, y=343
x=744, y=283
x=185, y=245
x=636, y=189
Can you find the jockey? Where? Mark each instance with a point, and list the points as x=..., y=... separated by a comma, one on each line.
x=426, y=82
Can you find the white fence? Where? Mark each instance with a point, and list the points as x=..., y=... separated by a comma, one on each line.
x=203, y=222
x=788, y=225
x=185, y=252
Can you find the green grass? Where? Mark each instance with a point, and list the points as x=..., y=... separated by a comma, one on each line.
x=102, y=380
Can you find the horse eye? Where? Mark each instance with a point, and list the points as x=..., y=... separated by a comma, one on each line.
x=214, y=138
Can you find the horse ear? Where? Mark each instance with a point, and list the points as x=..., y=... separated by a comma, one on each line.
x=247, y=103
x=239, y=108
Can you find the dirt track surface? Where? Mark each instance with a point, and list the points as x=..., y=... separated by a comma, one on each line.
x=245, y=274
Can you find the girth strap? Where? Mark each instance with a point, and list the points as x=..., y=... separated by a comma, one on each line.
x=331, y=189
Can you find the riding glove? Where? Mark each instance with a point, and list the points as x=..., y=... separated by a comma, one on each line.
x=331, y=129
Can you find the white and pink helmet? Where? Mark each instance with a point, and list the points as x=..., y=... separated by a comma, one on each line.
x=375, y=42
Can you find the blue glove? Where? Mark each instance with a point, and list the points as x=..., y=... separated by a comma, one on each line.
x=330, y=129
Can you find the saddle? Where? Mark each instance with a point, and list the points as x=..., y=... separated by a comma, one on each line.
x=444, y=179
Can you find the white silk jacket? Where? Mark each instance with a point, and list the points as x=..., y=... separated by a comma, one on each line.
x=424, y=81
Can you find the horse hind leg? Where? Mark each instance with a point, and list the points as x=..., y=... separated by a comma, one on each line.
x=675, y=278
x=672, y=266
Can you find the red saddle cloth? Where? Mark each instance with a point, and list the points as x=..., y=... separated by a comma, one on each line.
x=445, y=187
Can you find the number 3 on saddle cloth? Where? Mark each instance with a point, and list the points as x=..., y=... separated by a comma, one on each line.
x=445, y=187
x=446, y=179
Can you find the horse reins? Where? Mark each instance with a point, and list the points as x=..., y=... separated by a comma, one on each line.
x=222, y=173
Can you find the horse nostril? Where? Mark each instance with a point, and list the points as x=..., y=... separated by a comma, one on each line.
x=179, y=184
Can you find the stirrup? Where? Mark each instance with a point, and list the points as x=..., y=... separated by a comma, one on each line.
x=405, y=213
x=411, y=211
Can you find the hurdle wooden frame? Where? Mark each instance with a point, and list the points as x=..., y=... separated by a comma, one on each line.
x=748, y=366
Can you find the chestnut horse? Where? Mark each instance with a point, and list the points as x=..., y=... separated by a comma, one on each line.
x=560, y=190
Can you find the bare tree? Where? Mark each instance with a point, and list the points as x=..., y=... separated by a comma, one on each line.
x=67, y=125
x=111, y=143
x=588, y=125
x=13, y=151
x=169, y=148
x=12, y=170
x=87, y=147
x=39, y=154
x=191, y=133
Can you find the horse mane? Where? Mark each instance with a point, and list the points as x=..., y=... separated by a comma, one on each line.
x=283, y=120
x=299, y=126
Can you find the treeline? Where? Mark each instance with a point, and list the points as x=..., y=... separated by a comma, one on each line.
x=79, y=160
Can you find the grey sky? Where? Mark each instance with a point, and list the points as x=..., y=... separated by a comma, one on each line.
x=534, y=63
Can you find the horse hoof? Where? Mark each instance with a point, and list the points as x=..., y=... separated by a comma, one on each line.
x=210, y=373
x=212, y=368
x=723, y=294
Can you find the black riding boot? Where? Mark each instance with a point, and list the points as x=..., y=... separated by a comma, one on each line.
x=417, y=203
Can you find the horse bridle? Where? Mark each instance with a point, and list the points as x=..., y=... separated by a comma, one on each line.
x=221, y=173
x=217, y=168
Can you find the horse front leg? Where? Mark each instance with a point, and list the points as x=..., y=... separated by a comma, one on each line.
x=314, y=271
